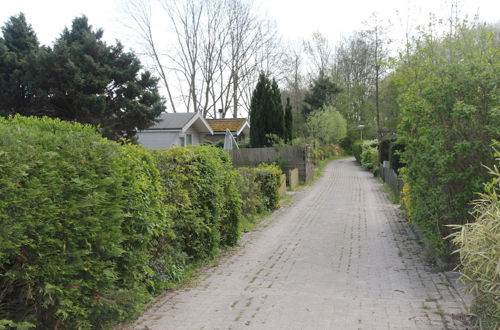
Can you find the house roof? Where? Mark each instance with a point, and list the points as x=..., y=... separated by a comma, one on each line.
x=181, y=122
x=173, y=120
x=234, y=125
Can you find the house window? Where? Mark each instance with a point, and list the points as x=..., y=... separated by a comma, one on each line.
x=183, y=141
x=189, y=139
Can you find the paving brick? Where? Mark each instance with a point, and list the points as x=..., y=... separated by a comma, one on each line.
x=337, y=257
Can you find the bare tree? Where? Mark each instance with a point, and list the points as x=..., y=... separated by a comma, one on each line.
x=185, y=18
x=320, y=54
x=141, y=14
x=376, y=35
x=215, y=49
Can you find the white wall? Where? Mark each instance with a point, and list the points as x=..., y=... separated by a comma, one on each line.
x=195, y=136
x=158, y=140
x=162, y=139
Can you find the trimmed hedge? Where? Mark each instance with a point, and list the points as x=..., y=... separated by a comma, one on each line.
x=200, y=185
x=77, y=214
x=356, y=150
x=366, y=153
x=269, y=178
x=250, y=192
x=90, y=228
x=259, y=188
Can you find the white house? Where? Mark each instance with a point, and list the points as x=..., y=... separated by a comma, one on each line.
x=239, y=127
x=180, y=129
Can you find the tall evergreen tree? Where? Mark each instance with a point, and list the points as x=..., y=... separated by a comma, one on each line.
x=277, y=119
x=81, y=79
x=18, y=78
x=321, y=93
x=260, y=105
x=288, y=121
x=102, y=85
x=266, y=112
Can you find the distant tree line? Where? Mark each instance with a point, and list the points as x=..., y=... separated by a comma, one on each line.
x=80, y=78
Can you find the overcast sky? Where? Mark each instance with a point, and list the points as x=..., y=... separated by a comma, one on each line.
x=296, y=19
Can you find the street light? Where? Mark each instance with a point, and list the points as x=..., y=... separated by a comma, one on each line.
x=361, y=127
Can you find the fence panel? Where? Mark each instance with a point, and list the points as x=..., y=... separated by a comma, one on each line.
x=287, y=157
x=390, y=177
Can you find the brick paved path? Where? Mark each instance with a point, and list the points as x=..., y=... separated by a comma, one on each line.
x=337, y=257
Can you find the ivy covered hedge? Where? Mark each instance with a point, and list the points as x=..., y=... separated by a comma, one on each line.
x=78, y=217
x=90, y=229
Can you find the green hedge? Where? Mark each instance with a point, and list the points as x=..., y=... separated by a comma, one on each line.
x=203, y=199
x=269, y=178
x=366, y=153
x=90, y=228
x=78, y=214
x=250, y=192
x=479, y=247
x=356, y=150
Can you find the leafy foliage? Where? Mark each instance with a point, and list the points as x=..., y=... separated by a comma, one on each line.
x=250, y=192
x=200, y=185
x=479, y=248
x=78, y=216
x=269, y=178
x=321, y=94
x=327, y=125
x=80, y=79
x=450, y=114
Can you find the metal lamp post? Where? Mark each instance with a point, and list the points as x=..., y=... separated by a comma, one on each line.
x=361, y=127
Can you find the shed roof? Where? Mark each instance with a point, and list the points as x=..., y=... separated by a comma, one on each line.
x=220, y=125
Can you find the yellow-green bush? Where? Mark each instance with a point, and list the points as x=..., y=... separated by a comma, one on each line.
x=269, y=178
x=202, y=197
x=250, y=192
x=78, y=215
x=479, y=248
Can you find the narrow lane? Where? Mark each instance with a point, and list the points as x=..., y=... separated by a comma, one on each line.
x=339, y=256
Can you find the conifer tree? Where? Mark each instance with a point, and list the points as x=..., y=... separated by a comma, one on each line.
x=288, y=121
x=102, y=85
x=266, y=113
x=277, y=119
x=80, y=79
x=18, y=79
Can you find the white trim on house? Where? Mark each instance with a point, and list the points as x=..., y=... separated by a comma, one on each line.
x=245, y=124
x=193, y=120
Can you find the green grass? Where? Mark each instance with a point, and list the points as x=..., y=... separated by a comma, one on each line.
x=439, y=311
x=391, y=195
x=250, y=223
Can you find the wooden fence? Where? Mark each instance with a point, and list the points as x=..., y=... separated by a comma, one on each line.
x=390, y=177
x=286, y=157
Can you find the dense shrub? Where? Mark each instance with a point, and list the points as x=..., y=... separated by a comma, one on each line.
x=269, y=178
x=450, y=115
x=395, y=151
x=203, y=198
x=366, y=153
x=369, y=158
x=356, y=150
x=479, y=247
x=250, y=192
x=78, y=214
